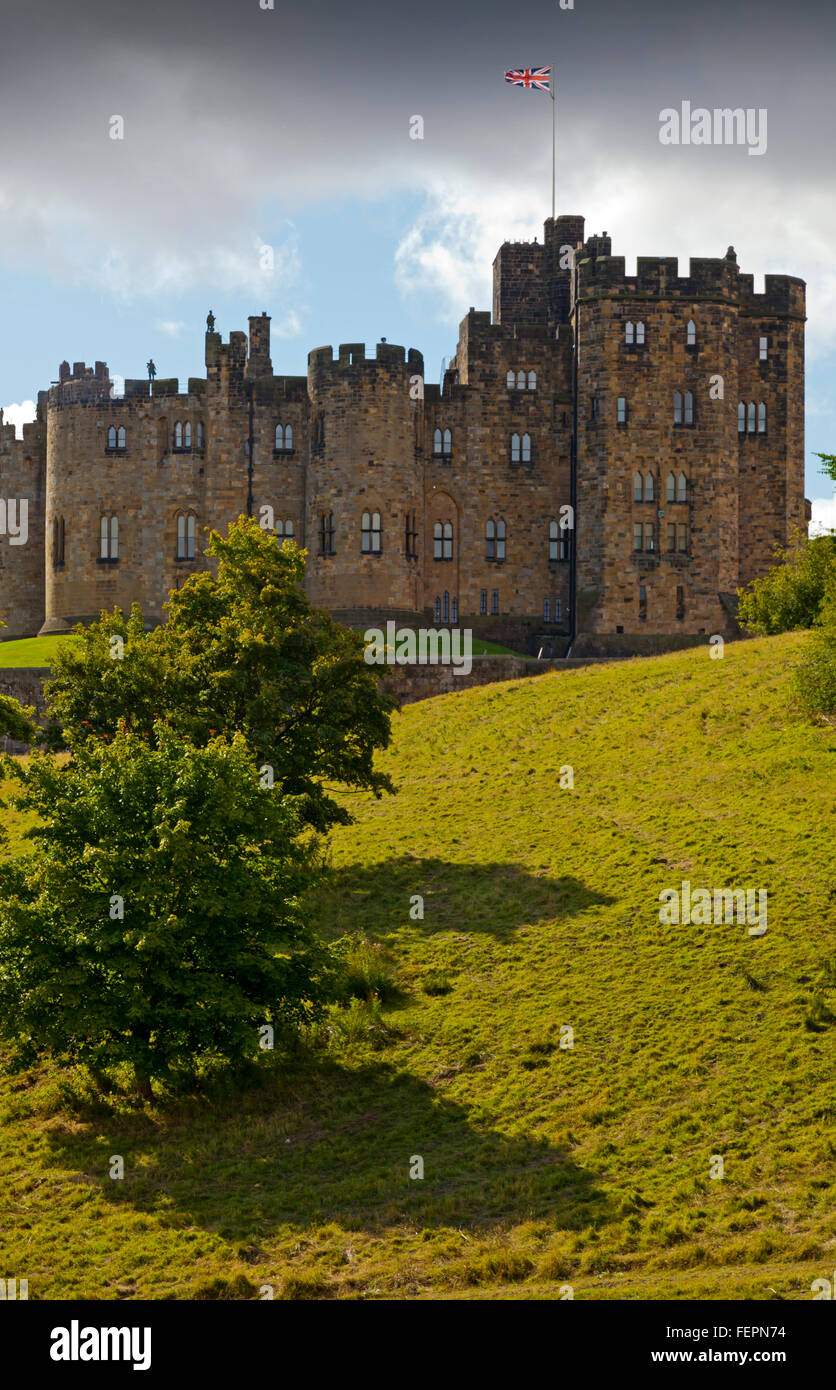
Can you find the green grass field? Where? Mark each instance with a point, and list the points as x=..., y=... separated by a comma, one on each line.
x=543, y=1166
x=31, y=651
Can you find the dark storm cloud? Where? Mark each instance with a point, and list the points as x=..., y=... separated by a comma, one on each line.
x=229, y=108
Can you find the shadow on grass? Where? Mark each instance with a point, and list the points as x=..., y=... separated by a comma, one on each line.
x=329, y=1145
x=494, y=898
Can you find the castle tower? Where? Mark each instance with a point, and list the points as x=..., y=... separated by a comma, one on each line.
x=366, y=418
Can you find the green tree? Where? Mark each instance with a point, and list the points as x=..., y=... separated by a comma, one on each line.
x=157, y=921
x=829, y=465
x=243, y=649
x=791, y=595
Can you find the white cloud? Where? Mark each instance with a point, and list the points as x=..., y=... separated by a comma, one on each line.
x=824, y=515
x=448, y=251
x=19, y=415
x=171, y=327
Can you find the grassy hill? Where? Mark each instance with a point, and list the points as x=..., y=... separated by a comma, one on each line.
x=543, y=1166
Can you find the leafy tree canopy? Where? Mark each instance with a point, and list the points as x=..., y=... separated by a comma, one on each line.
x=157, y=921
x=243, y=650
x=791, y=595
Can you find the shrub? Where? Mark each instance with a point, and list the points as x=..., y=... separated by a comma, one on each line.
x=157, y=921
x=791, y=595
x=815, y=676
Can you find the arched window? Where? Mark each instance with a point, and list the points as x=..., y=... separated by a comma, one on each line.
x=640, y=334
x=691, y=334
x=671, y=488
x=689, y=408
x=638, y=487
x=187, y=435
x=515, y=448
x=178, y=434
x=370, y=533
x=520, y=381
x=120, y=437
x=111, y=437
x=500, y=540
x=682, y=490
x=289, y=530
x=677, y=407
x=280, y=436
x=201, y=435
x=443, y=540
x=454, y=610
x=437, y=610
x=109, y=538
x=448, y=442
x=526, y=448
x=762, y=418
x=446, y=606
x=751, y=417
x=532, y=381
x=288, y=436
x=185, y=537
x=510, y=381
x=629, y=332
x=648, y=488
x=437, y=442
x=741, y=418
x=490, y=541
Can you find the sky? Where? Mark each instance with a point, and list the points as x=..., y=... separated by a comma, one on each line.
x=266, y=164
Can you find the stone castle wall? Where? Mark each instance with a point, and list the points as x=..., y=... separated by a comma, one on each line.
x=365, y=440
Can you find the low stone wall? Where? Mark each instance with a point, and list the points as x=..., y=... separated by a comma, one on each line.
x=411, y=683
x=25, y=683
x=406, y=683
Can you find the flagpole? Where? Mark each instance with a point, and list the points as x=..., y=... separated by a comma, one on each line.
x=554, y=104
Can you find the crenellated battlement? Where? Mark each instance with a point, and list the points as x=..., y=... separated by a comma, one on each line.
x=80, y=385
x=715, y=278
x=354, y=355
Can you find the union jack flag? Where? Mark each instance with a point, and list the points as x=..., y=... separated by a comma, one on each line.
x=533, y=79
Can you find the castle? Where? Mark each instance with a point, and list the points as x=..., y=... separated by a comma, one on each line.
x=607, y=459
